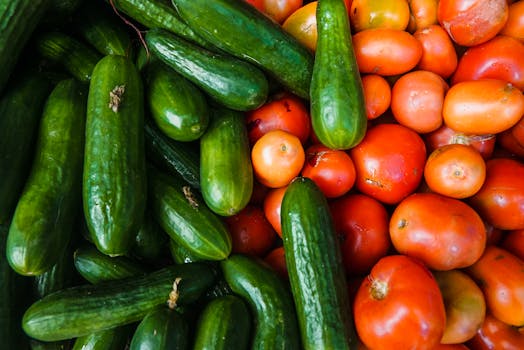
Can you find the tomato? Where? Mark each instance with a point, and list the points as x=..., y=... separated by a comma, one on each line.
x=377, y=95
x=499, y=58
x=332, y=170
x=277, y=260
x=284, y=111
x=361, y=222
x=272, y=204
x=495, y=334
x=277, y=158
x=423, y=14
x=416, y=100
x=500, y=201
x=451, y=347
x=513, y=242
x=465, y=305
x=278, y=10
x=514, y=26
x=399, y=306
x=445, y=233
x=472, y=22
x=302, y=24
x=386, y=51
x=509, y=142
x=438, y=52
x=500, y=275
x=250, y=231
x=455, y=170
x=479, y=107
x=389, y=162
x=366, y=14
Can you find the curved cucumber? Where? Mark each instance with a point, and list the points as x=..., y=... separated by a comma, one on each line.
x=111, y=339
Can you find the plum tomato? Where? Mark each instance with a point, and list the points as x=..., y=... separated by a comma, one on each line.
x=272, y=204
x=302, y=24
x=423, y=14
x=366, y=14
x=438, y=51
x=377, y=95
x=495, y=334
x=514, y=26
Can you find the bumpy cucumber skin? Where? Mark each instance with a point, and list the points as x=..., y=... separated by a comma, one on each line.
x=48, y=206
x=232, y=82
x=338, y=113
x=314, y=263
x=114, y=178
x=270, y=301
x=226, y=173
x=112, y=339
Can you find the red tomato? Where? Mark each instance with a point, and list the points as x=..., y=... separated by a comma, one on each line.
x=377, y=94
x=500, y=275
x=514, y=26
x=366, y=14
x=495, y=334
x=509, y=142
x=499, y=58
x=361, y=222
x=500, y=201
x=445, y=233
x=423, y=14
x=451, y=347
x=277, y=260
x=272, y=204
x=472, y=22
x=399, y=306
x=283, y=111
x=278, y=10
x=389, y=162
x=332, y=170
x=513, y=242
x=438, y=52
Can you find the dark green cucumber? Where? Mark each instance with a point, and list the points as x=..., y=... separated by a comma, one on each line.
x=184, y=216
x=241, y=30
x=162, y=328
x=338, y=110
x=111, y=339
x=43, y=220
x=18, y=20
x=226, y=173
x=21, y=110
x=81, y=310
x=150, y=241
x=178, y=107
x=77, y=58
x=58, y=13
x=225, y=323
x=114, y=179
x=270, y=301
x=314, y=263
x=232, y=82
x=180, y=254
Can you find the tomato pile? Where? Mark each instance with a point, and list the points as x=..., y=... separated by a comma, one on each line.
x=429, y=207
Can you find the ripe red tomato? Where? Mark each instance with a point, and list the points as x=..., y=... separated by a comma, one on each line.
x=272, y=204
x=438, y=52
x=278, y=10
x=495, y=334
x=399, y=306
x=377, y=94
x=389, y=162
x=513, y=242
x=514, y=26
x=277, y=260
x=423, y=14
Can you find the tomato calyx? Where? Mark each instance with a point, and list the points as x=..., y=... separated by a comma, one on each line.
x=378, y=289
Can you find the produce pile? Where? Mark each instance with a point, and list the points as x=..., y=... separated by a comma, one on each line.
x=237, y=174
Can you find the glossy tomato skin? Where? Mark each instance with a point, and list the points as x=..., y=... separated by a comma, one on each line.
x=272, y=204
x=438, y=52
x=389, y=162
x=514, y=26
x=423, y=14
x=495, y=334
x=377, y=95
x=399, y=306
x=302, y=24
x=278, y=10
x=366, y=14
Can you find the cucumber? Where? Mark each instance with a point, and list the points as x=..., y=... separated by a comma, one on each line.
x=225, y=323
x=150, y=241
x=21, y=109
x=58, y=13
x=241, y=30
x=231, y=82
x=85, y=309
x=270, y=301
x=178, y=107
x=314, y=263
x=338, y=110
x=76, y=57
x=18, y=20
x=184, y=216
x=43, y=220
x=114, y=178
x=180, y=254
x=112, y=339
x=226, y=173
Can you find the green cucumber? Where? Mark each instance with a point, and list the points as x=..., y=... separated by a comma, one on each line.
x=114, y=179
x=43, y=220
x=150, y=241
x=180, y=254
x=18, y=20
x=338, y=109
x=232, y=82
x=76, y=57
x=225, y=323
x=58, y=13
x=241, y=30
x=178, y=107
x=21, y=110
x=162, y=328
x=184, y=216
x=270, y=301
x=111, y=339
x=85, y=309
x=314, y=263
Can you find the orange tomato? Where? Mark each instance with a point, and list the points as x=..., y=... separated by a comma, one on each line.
x=455, y=170
x=385, y=51
x=272, y=204
x=443, y=232
x=423, y=14
x=366, y=14
x=451, y=347
x=514, y=26
x=377, y=95
x=416, y=100
x=500, y=275
x=438, y=52
x=277, y=158
x=302, y=24
x=479, y=107
x=513, y=242
x=495, y=334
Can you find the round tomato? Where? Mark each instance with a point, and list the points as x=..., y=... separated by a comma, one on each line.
x=513, y=242
x=361, y=222
x=423, y=14
x=366, y=14
x=277, y=260
x=399, y=306
x=445, y=233
x=278, y=10
x=438, y=52
x=514, y=26
x=495, y=334
x=451, y=347
x=509, y=142
x=272, y=204
x=302, y=24
x=389, y=162
x=377, y=95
